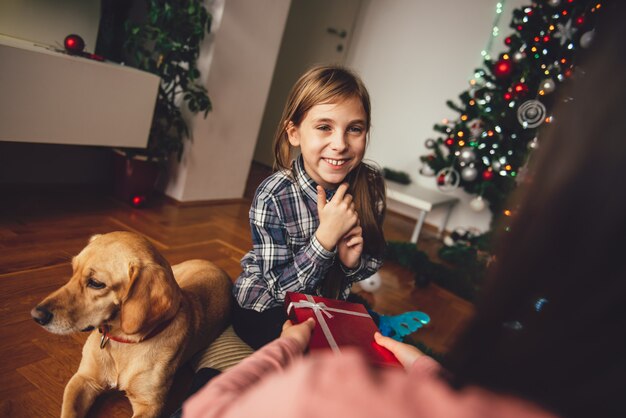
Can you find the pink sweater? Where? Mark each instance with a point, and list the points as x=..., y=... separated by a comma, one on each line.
x=326, y=385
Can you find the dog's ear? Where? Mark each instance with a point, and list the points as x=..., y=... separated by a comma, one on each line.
x=94, y=237
x=153, y=296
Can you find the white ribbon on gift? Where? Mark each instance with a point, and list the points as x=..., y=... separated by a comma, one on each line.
x=320, y=308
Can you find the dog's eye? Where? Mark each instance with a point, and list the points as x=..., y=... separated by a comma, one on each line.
x=94, y=284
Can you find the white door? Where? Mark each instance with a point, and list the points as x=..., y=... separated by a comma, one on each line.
x=316, y=32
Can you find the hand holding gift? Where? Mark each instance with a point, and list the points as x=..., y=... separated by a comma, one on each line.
x=338, y=325
x=299, y=332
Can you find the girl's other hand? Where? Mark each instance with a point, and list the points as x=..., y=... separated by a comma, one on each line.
x=299, y=332
x=337, y=217
x=350, y=247
x=405, y=353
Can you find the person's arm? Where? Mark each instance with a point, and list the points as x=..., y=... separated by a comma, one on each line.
x=275, y=264
x=221, y=393
x=367, y=266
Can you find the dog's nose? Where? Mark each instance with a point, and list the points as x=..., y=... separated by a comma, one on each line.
x=41, y=315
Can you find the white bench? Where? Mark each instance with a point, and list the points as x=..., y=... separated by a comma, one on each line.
x=399, y=196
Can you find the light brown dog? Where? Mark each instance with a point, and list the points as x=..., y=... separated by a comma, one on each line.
x=151, y=319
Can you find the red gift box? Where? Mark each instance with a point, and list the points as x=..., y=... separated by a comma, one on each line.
x=338, y=324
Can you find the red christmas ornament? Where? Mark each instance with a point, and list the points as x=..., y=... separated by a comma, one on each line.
x=503, y=68
x=74, y=44
x=449, y=142
x=138, y=201
x=508, y=96
x=508, y=40
x=441, y=179
x=487, y=175
x=520, y=89
x=580, y=20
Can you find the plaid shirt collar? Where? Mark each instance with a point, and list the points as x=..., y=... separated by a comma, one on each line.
x=306, y=183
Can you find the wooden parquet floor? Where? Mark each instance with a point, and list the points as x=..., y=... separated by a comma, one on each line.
x=40, y=231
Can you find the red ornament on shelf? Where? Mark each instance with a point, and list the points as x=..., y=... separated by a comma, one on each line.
x=503, y=68
x=487, y=175
x=74, y=44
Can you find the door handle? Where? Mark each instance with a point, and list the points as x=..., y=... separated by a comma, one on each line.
x=340, y=33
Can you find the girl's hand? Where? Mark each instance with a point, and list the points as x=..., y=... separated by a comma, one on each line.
x=337, y=217
x=405, y=353
x=299, y=332
x=350, y=247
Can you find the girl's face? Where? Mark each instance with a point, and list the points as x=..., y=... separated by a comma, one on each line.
x=332, y=139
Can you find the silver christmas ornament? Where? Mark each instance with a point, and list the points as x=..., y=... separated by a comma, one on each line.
x=448, y=179
x=496, y=165
x=518, y=56
x=564, y=32
x=531, y=114
x=372, y=283
x=587, y=38
x=477, y=204
x=548, y=85
x=467, y=155
x=430, y=143
x=469, y=173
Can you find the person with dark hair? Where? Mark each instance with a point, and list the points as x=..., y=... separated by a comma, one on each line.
x=549, y=335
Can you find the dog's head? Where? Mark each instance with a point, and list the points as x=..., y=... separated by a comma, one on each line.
x=118, y=278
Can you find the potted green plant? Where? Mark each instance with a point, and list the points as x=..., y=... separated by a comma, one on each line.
x=166, y=43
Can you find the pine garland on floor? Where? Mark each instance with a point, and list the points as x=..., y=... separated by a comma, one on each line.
x=464, y=280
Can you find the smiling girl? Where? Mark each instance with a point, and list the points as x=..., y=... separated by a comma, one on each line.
x=317, y=221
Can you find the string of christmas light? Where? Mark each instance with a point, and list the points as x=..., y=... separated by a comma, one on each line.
x=495, y=30
x=485, y=150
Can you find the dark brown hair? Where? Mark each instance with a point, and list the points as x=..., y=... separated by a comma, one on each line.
x=550, y=325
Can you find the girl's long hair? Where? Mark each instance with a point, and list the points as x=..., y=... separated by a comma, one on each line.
x=331, y=84
x=550, y=325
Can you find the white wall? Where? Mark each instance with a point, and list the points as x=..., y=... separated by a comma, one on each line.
x=413, y=56
x=50, y=21
x=238, y=63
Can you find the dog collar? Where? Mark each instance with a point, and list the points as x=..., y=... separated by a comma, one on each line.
x=106, y=336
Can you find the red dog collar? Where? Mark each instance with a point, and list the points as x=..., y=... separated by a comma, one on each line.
x=106, y=336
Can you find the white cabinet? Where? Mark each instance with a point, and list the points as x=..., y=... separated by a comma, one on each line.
x=51, y=97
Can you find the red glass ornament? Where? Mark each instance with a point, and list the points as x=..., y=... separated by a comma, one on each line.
x=520, y=89
x=449, y=142
x=487, y=175
x=138, y=201
x=74, y=44
x=508, y=40
x=503, y=68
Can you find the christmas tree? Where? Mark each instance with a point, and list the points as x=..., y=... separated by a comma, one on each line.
x=485, y=150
